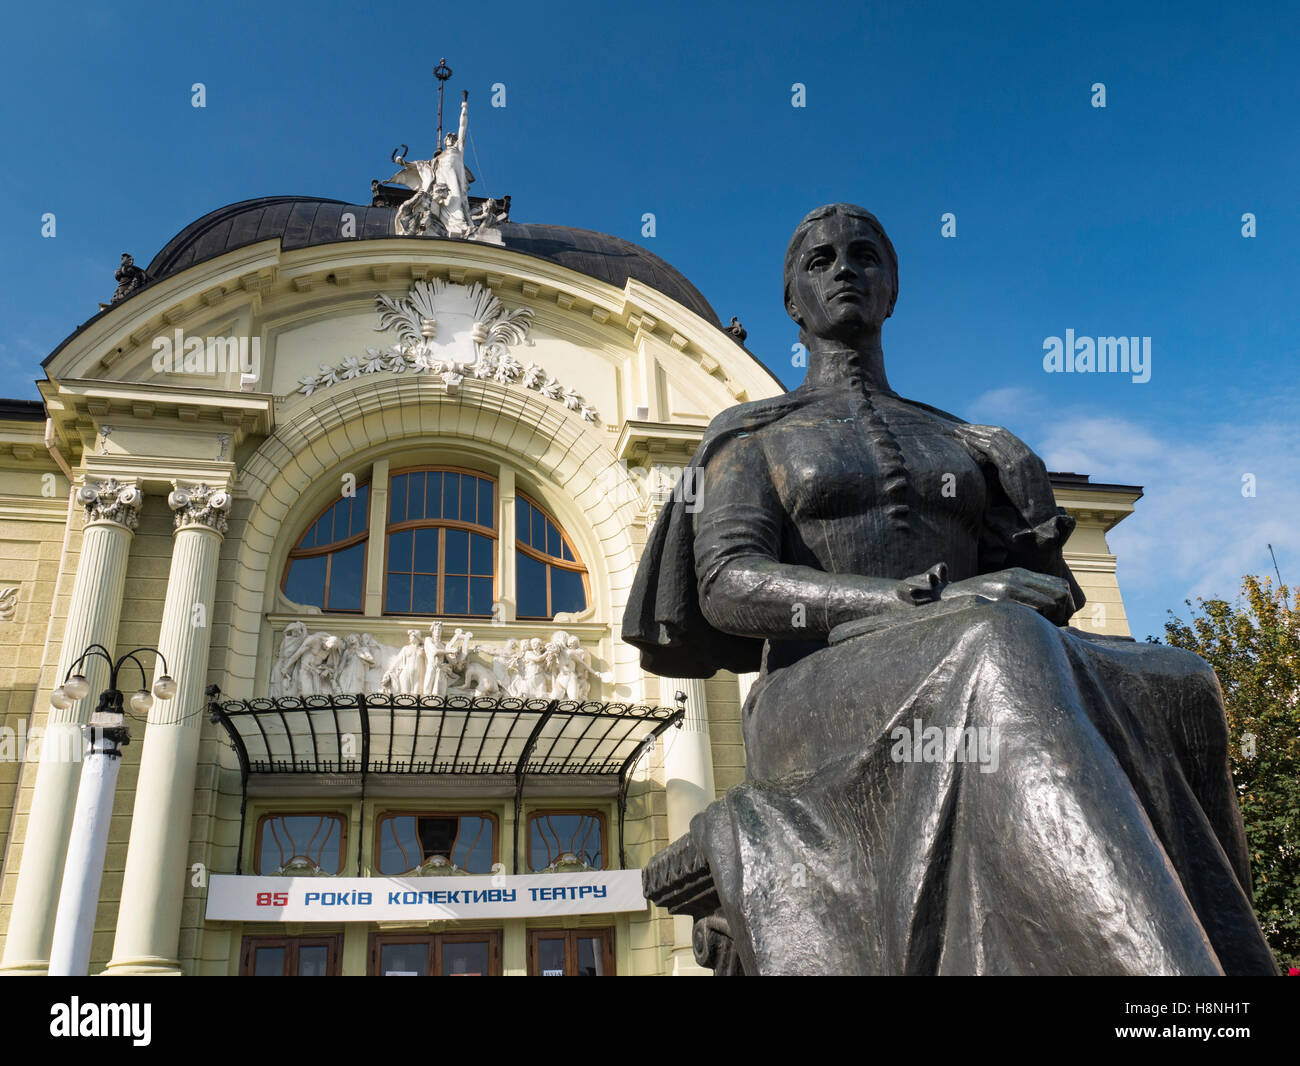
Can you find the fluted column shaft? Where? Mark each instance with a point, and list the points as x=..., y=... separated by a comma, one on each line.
x=153, y=885
x=112, y=513
x=688, y=773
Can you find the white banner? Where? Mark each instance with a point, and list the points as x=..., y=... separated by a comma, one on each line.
x=387, y=899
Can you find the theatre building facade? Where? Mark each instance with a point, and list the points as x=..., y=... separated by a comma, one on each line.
x=377, y=496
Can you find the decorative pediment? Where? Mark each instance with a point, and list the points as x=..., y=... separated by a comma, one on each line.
x=451, y=331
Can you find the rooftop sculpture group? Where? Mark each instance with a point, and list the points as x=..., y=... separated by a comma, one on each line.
x=440, y=203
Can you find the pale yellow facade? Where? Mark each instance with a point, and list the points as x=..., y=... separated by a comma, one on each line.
x=653, y=371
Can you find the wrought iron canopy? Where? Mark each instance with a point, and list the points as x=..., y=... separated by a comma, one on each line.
x=440, y=735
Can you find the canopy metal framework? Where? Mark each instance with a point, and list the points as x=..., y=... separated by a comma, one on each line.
x=368, y=735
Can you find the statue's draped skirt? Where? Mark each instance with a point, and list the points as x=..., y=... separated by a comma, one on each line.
x=1077, y=817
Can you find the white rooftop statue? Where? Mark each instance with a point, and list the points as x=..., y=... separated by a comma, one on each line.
x=440, y=203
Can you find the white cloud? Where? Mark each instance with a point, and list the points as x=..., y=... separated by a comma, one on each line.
x=1003, y=407
x=1193, y=533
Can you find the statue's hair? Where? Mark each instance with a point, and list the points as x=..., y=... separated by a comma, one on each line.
x=848, y=211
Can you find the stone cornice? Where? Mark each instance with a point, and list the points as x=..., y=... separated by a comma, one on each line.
x=34, y=508
x=156, y=474
x=1106, y=507
x=80, y=410
x=651, y=442
x=263, y=277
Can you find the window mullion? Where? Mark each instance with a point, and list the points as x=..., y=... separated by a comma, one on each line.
x=506, y=576
x=377, y=544
x=442, y=569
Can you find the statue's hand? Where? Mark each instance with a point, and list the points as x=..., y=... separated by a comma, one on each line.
x=924, y=588
x=1049, y=596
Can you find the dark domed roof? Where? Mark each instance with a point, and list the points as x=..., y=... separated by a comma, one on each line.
x=302, y=221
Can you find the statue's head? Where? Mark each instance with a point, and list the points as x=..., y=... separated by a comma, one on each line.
x=841, y=273
x=413, y=636
x=451, y=140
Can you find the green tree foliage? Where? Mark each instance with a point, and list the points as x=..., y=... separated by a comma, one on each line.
x=1254, y=647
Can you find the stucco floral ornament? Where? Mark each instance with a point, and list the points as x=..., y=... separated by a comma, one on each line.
x=451, y=332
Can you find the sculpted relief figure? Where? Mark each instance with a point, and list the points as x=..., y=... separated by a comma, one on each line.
x=358, y=657
x=318, y=664
x=537, y=657
x=573, y=670
x=971, y=785
x=406, y=671
x=282, y=683
x=438, y=672
x=505, y=668
x=312, y=668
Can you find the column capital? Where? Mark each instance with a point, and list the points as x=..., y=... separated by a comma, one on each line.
x=112, y=501
x=197, y=503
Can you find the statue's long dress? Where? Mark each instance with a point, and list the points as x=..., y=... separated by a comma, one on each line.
x=1096, y=831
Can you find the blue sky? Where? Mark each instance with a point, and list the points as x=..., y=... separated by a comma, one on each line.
x=1125, y=220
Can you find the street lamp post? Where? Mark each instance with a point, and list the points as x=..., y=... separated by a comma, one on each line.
x=105, y=735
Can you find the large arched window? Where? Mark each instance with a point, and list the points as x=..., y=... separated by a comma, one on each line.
x=550, y=578
x=441, y=548
x=327, y=567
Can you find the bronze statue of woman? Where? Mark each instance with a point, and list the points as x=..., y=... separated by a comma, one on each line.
x=942, y=777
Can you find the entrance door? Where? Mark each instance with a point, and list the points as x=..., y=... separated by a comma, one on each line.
x=291, y=956
x=472, y=954
x=571, y=953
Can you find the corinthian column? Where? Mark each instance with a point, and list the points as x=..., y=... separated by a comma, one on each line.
x=112, y=513
x=688, y=770
x=149, y=918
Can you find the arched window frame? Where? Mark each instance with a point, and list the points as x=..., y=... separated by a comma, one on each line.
x=330, y=550
x=575, y=565
x=506, y=552
x=491, y=533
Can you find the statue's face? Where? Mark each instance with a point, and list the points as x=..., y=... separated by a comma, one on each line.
x=842, y=282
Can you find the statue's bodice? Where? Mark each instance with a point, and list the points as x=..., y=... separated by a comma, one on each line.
x=859, y=484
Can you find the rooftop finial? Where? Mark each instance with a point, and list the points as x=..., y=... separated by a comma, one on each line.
x=442, y=72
